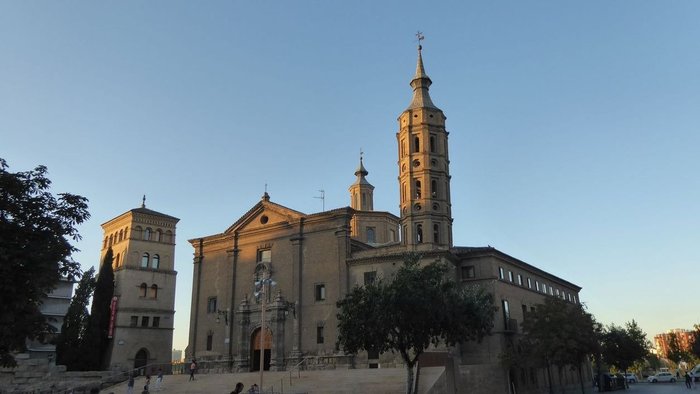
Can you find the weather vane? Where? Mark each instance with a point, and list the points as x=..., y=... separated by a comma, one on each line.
x=420, y=37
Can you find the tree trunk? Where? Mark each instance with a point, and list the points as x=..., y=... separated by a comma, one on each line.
x=580, y=379
x=409, y=379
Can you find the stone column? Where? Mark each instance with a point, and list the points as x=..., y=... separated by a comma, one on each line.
x=242, y=361
x=277, y=320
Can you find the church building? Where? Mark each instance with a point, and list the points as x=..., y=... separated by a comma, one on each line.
x=290, y=268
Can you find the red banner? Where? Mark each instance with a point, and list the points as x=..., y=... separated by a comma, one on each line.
x=112, y=317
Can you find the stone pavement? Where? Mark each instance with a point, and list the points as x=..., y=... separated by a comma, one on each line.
x=341, y=381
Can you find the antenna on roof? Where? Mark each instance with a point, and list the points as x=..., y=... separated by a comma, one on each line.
x=322, y=197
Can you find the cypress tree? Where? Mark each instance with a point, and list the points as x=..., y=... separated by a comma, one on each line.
x=68, y=342
x=96, y=344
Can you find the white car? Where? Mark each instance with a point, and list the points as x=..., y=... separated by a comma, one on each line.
x=631, y=378
x=662, y=377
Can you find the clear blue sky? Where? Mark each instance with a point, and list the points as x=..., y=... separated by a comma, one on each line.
x=574, y=126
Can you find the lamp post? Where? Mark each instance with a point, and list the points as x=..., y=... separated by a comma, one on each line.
x=261, y=286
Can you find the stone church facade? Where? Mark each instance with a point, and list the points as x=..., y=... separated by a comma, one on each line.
x=315, y=259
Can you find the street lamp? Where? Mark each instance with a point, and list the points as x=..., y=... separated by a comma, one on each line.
x=223, y=313
x=261, y=287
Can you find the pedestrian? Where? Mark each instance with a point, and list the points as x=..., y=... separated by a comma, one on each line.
x=148, y=382
x=145, y=389
x=159, y=379
x=193, y=368
x=253, y=389
x=130, y=385
x=688, y=381
x=238, y=389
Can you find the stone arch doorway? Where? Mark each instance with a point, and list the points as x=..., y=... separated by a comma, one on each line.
x=255, y=350
x=140, y=360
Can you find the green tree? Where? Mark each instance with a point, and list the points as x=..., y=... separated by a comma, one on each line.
x=418, y=307
x=623, y=346
x=69, y=341
x=36, y=230
x=559, y=334
x=96, y=343
x=695, y=344
x=675, y=352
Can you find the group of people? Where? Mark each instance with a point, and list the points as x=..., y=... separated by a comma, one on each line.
x=159, y=383
x=239, y=389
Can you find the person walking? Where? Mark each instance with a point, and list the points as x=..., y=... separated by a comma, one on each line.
x=688, y=381
x=193, y=368
x=159, y=379
x=238, y=389
x=130, y=385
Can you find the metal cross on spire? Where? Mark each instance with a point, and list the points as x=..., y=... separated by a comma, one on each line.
x=420, y=37
x=143, y=202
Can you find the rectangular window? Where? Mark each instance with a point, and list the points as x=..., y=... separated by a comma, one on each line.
x=569, y=297
x=210, y=341
x=524, y=308
x=320, y=292
x=506, y=313
x=370, y=277
x=468, y=272
x=371, y=237
x=264, y=256
x=510, y=276
x=537, y=285
x=144, y=321
x=135, y=320
x=551, y=290
x=156, y=321
x=319, y=334
x=211, y=305
x=544, y=288
x=501, y=273
x=520, y=280
x=556, y=291
x=529, y=283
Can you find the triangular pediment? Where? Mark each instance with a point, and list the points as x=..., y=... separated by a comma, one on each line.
x=265, y=214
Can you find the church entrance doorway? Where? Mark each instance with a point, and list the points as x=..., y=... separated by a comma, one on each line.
x=255, y=350
x=140, y=360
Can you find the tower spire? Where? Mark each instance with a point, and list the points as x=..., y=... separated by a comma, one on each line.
x=421, y=82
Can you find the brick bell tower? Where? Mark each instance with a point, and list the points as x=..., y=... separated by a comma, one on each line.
x=424, y=169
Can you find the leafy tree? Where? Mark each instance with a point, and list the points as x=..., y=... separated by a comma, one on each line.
x=623, y=346
x=675, y=352
x=69, y=341
x=418, y=307
x=36, y=228
x=96, y=344
x=695, y=344
x=558, y=333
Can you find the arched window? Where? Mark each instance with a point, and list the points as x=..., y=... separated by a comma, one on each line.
x=116, y=261
x=371, y=237
x=147, y=234
x=144, y=289
x=154, y=291
x=436, y=233
x=418, y=189
x=155, y=262
x=121, y=235
x=433, y=188
x=144, y=260
x=432, y=144
x=159, y=235
x=419, y=233
x=111, y=240
x=126, y=233
x=416, y=144
x=104, y=245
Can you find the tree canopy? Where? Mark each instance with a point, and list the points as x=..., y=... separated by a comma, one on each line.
x=36, y=230
x=417, y=307
x=559, y=333
x=623, y=346
x=695, y=345
x=95, y=344
x=69, y=341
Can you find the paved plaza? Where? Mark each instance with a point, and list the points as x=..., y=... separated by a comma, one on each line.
x=349, y=381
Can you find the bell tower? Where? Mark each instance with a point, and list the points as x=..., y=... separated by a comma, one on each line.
x=361, y=192
x=424, y=169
